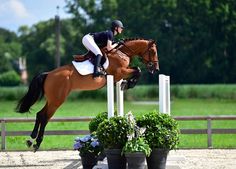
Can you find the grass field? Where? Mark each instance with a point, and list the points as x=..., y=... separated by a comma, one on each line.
x=179, y=107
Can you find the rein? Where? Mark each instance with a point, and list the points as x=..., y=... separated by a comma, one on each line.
x=150, y=43
x=131, y=50
x=147, y=61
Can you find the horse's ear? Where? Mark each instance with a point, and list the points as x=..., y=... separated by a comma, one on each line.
x=152, y=42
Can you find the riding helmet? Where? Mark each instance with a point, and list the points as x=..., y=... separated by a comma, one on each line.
x=117, y=23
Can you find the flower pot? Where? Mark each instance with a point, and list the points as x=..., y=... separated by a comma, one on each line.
x=157, y=159
x=88, y=160
x=135, y=160
x=102, y=156
x=114, y=159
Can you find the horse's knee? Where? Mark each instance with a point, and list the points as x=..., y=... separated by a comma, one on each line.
x=137, y=73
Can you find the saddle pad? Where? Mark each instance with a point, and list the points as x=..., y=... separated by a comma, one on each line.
x=86, y=67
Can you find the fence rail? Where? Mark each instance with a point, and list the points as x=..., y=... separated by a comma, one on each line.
x=209, y=130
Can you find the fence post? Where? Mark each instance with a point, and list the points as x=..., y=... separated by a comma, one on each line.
x=120, y=99
x=3, y=135
x=164, y=94
x=110, y=96
x=209, y=133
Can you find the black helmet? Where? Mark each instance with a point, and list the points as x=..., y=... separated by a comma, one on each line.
x=116, y=23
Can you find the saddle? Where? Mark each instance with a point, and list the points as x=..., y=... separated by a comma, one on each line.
x=89, y=56
x=80, y=58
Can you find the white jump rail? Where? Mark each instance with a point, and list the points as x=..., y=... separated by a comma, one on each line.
x=164, y=94
x=110, y=97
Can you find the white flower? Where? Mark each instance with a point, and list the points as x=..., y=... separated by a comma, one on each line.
x=131, y=118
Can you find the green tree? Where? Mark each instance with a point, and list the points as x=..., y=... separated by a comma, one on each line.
x=39, y=45
x=195, y=39
x=10, y=50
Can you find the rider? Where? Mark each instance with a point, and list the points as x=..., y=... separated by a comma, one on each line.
x=95, y=41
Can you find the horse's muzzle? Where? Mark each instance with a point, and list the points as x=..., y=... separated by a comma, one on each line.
x=152, y=67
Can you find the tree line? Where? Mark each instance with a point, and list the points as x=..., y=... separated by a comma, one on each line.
x=195, y=39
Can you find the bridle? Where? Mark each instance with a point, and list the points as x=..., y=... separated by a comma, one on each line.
x=148, y=61
x=150, y=64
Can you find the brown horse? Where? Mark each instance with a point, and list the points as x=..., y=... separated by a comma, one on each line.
x=57, y=84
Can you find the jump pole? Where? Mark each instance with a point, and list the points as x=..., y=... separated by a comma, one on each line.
x=120, y=98
x=164, y=94
x=110, y=97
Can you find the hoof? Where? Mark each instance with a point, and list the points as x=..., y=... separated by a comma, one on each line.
x=29, y=143
x=35, y=147
x=124, y=85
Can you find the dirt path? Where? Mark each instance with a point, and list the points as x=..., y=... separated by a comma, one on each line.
x=179, y=159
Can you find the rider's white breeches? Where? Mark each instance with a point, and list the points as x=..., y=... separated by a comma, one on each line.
x=90, y=44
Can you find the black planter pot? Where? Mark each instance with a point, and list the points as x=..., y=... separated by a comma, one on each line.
x=89, y=161
x=102, y=156
x=135, y=160
x=114, y=159
x=157, y=159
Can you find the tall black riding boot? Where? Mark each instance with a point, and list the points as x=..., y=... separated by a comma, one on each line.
x=97, y=67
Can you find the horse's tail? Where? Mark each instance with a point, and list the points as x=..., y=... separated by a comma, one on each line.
x=35, y=92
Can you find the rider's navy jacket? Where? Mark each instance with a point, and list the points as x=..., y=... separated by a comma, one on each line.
x=101, y=38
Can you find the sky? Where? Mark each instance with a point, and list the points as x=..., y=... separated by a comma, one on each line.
x=15, y=13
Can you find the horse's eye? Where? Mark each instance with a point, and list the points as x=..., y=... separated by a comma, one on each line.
x=153, y=52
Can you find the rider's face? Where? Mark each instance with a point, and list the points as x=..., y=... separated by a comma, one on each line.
x=119, y=30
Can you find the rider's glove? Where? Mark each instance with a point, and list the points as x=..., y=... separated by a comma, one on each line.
x=120, y=42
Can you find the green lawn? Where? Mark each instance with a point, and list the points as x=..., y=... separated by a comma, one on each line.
x=79, y=108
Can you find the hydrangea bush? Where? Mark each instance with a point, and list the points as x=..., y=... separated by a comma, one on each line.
x=88, y=144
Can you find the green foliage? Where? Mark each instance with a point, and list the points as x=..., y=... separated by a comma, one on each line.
x=161, y=130
x=12, y=93
x=204, y=91
x=94, y=123
x=142, y=92
x=113, y=132
x=10, y=49
x=137, y=145
x=10, y=78
x=202, y=52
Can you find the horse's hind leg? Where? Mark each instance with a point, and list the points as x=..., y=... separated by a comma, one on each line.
x=44, y=118
x=34, y=133
x=56, y=89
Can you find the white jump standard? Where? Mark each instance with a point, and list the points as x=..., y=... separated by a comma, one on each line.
x=164, y=94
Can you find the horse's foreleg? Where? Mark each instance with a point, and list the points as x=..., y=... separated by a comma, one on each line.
x=133, y=78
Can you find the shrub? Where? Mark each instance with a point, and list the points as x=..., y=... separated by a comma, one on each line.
x=94, y=123
x=12, y=93
x=113, y=132
x=10, y=78
x=161, y=130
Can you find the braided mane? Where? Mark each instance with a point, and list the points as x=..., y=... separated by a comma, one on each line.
x=132, y=39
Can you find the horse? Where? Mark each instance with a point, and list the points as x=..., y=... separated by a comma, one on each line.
x=56, y=85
